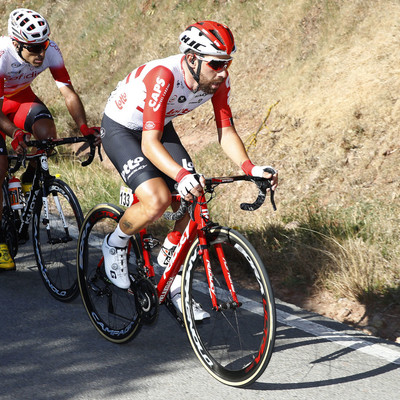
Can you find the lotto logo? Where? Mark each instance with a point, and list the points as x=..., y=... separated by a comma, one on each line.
x=131, y=167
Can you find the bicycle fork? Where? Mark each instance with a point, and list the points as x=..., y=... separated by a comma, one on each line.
x=205, y=253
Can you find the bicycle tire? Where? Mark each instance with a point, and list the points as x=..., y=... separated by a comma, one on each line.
x=8, y=227
x=55, y=248
x=235, y=344
x=112, y=311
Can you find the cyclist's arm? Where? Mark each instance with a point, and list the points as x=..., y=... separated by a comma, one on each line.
x=74, y=105
x=6, y=125
x=234, y=148
x=154, y=150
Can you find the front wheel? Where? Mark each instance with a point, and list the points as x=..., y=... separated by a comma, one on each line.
x=56, y=223
x=235, y=344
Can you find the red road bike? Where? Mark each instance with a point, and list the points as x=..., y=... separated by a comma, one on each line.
x=220, y=269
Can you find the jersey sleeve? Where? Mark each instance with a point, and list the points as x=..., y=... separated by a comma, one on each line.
x=220, y=101
x=159, y=83
x=57, y=66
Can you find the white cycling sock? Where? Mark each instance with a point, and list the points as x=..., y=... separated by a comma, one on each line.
x=118, y=238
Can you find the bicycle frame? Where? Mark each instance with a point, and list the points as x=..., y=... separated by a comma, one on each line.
x=196, y=227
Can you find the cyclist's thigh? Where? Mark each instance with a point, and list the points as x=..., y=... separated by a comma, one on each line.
x=26, y=111
x=172, y=143
x=123, y=148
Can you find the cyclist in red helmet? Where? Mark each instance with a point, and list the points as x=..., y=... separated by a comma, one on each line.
x=24, y=54
x=139, y=138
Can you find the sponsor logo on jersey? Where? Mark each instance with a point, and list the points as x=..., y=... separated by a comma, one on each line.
x=173, y=112
x=181, y=99
x=172, y=99
x=149, y=125
x=156, y=98
x=121, y=101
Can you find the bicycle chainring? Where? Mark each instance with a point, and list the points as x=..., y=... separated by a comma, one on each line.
x=146, y=299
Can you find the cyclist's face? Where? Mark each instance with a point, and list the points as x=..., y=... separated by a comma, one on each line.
x=210, y=79
x=35, y=58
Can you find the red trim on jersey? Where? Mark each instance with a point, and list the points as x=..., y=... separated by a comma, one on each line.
x=138, y=71
x=60, y=74
x=159, y=83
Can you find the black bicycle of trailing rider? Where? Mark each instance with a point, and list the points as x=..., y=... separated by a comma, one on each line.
x=220, y=269
x=55, y=213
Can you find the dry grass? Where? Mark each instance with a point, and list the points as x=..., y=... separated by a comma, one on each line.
x=334, y=67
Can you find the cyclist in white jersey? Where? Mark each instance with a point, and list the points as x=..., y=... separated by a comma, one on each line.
x=25, y=53
x=139, y=138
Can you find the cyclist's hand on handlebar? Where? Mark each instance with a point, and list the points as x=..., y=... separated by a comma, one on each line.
x=95, y=131
x=189, y=185
x=267, y=172
x=264, y=171
x=19, y=138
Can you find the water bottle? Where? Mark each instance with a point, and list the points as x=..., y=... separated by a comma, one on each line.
x=168, y=248
x=15, y=193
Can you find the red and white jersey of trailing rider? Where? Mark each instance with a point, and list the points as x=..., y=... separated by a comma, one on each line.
x=155, y=93
x=16, y=74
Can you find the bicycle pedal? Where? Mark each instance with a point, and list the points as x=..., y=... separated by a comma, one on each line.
x=149, y=242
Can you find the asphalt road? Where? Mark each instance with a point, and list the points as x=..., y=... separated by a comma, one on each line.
x=49, y=350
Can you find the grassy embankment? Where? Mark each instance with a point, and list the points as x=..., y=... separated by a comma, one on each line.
x=333, y=66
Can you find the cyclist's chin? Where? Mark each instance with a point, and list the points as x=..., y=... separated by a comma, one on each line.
x=37, y=63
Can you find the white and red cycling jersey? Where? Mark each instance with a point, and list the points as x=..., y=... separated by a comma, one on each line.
x=155, y=93
x=16, y=74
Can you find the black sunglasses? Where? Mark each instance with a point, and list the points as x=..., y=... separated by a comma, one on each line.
x=36, y=48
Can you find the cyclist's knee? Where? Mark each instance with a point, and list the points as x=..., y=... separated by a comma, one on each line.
x=44, y=129
x=154, y=207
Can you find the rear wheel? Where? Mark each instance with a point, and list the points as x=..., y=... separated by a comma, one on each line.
x=114, y=312
x=235, y=344
x=55, y=239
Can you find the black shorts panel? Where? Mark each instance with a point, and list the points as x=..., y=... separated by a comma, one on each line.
x=36, y=112
x=123, y=147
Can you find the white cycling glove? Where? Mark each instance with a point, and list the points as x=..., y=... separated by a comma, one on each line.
x=259, y=170
x=256, y=170
x=187, y=183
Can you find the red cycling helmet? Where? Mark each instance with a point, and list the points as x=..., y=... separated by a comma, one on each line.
x=207, y=38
